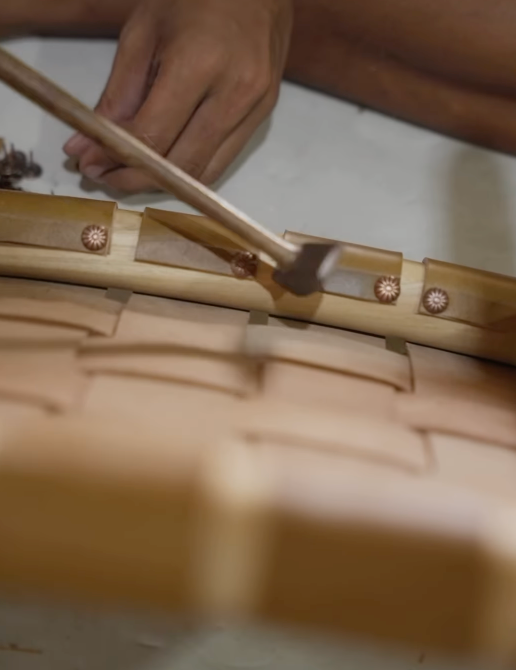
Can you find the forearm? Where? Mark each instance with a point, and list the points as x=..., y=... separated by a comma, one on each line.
x=64, y=17
x=466, y=89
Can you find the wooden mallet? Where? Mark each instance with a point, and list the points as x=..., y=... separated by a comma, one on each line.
x=301, y=269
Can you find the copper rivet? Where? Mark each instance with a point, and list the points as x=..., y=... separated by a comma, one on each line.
x=387, y=289
x=94, y=238
x=436, y=301
x=244, y=264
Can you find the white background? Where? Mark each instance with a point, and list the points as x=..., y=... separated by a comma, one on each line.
x=320, y=166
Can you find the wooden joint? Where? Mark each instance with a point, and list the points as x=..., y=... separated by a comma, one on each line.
x=363, y=273
x=193, y=243
x=478, y=298
x=70, y=224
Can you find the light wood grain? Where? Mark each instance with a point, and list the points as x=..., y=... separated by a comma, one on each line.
x=119, y=270
x=132, y=472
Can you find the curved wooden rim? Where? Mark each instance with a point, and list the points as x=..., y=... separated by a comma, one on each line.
x=86, y=510
x=120, y=270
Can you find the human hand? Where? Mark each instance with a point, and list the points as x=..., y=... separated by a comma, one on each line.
x=193, y=79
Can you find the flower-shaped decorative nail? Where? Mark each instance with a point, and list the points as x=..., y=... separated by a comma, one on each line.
x=387, y=289
x=94, y=238
x=244, y=264
x=436, y=301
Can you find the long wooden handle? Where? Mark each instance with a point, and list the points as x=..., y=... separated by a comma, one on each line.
x=135, y=153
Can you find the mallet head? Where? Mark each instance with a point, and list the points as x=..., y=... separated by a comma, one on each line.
x=312, y=264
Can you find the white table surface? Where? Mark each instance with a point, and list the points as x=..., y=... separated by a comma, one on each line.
x=320, y=166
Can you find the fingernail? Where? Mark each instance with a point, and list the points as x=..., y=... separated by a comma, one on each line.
x=93, y=172
x=76, y=145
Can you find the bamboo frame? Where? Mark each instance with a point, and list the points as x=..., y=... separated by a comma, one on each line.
x=266, y=508
x=119, y=270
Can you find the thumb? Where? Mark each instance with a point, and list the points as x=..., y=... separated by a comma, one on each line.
x=125, y=90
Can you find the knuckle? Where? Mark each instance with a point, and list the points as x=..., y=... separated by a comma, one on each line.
x=254, y=81
x=141, y=184
x=272, y=97
x=132, y=184
x=127, y=34
x=94, y=166
x=194, y=168
x=211, y=62
x=159, y=142
x=208, y=57
x=252, y=87
x=210, y=176
x=136, y=30
x=108, y=105
x=126, y=189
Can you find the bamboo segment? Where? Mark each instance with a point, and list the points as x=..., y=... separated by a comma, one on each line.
x=54, y=223
x=361, y=270
x=120, y=270
x=481, y=299
x=194, y=458
x=170, y=239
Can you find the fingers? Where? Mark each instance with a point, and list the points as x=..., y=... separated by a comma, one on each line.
x=131, y=74
x=184, y=81
x=179, y=88
x=213, y=136
x=220, y=116
x=126, y=88
x=234, y=145
x=207, y=160
x=129, y=180
x=192, y=83
x=207, y=166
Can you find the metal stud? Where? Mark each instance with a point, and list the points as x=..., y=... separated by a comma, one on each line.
x=16, y=166
x=94, y=238
x=18, y=161
x=387, y=289
x=436, y=301
x=244, y=264
x=7, y=184
x=33, y=169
